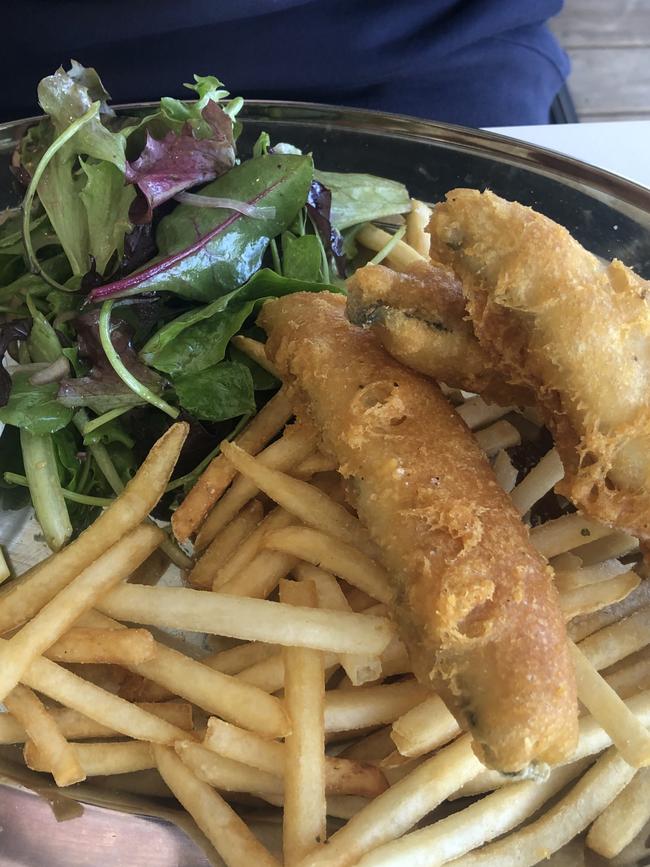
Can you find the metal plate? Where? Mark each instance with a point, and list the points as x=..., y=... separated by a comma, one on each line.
x=92, y=825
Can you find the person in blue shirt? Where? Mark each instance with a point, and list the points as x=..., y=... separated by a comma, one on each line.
x=472, y=62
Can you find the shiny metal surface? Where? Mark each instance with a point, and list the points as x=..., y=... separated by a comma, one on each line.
x=608, y=214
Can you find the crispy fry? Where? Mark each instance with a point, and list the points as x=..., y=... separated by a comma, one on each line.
x=296, y=443
x=623, y=819
x=221, y=825
x=261, y=576
x=226, y=774
x=25, y=596
x=103, y=645
x=79, y=595
x=615, y=642
x=250, y=547
x=358, y=707
x=594, y=597
x=538, y=482
x=417, y=221
x=342, y=559
x=224, y=545
x=306, y=502
x=500, y=435
x=615, y=545
x=304, y=814
x=504, y=471
x=570, y=573
x=5, y=572
x=248, y=619
x=58, y=756
x=585, y=801
x=100, y=759
x=478, y=414
x=214, y=480
x=254, y=350
x=565, y=533
x=237, y=658
x=211, y=690
x=424, y=728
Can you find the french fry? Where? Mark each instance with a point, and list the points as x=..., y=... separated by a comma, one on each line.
x=566, y=533
x=103, y=645
x=296, y=443
x=237, y=658
x=395, y=659
x=226, y=774
x=628, y=734
x=250, y=547
x=268, y=674
x=100, y=759
x=59, y=757
x=632, y=677
x=254, y=349
x=623, y=819
x=224, y=545
x=306, y=502
x=539, y=481
x=500, y=435
x=214, y=480
x=360, y=668
x=248, y=619
x=470, y=828
x=140, y=689
x=613, y=643
x=313, y=465
x=570, y=573
x=400, y=807
x=401, y=255
x=339, y=806
x=615, y=545
x=504, y=470
x=305, y=811
x=594, y=597
x=80, y=594
x=211, y=690
x=425, y=727
x=25, y=596
x=229, y=835
x=261, y=576
x=572, y=814
x=361, y=706
x=5, y=572
x=373, y=747
x=319, y=549
x=75, y=726
x=417, y=221
x=476, y=413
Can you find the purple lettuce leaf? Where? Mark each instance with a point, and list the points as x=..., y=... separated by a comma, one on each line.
x=319, y=208
x=180, y=160
x=16, y=329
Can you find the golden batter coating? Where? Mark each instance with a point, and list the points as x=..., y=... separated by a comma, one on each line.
x=474, y=601
x=418, y=316
x=573, y=329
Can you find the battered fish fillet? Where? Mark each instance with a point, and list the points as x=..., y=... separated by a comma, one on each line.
x=572, y=329
x=474, y=601
x=418, y=316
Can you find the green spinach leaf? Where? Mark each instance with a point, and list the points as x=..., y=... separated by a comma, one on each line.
x=358, y=198
x=301, y=257
x=217, y=393
x=35, y=407
x=107, y=200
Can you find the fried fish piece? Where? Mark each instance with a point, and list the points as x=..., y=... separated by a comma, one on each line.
x=474, y=601
x=418, y=315
x=573, y=329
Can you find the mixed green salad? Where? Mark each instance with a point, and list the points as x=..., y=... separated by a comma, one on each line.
x=142, y=246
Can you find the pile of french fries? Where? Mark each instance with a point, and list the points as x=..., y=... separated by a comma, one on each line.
x=309, y=703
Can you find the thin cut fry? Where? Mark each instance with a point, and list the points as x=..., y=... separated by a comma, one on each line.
x=237, y=658
x=296, y=443
x=593, y=597
x=24, y=597
x=342, y=776
x=248, y=619
x=565, y=533
x=425, y=727
x=101, y=759
x=226, y=774
x=304, y=815
x=316, y=463
x=615, y=545
x=358, y=707
x=224, y=545
x=399, y=808
x=505, y=471
x=470, y=828
x=586, y=800
x=623, y=819
x=539, y=481
x=615, y=642
x=306, y=502
x=254, y=349
x=219, y=473
x=372, y=747
x=211, y=690
x=229, y=835
x=250, y=547
x=5, y=572
x=401, y=255
x=103, y=645
x=59, y=757
x=261, y=576
x=80, y=594
x=476, y=413
x=75, y=726
x=500, y=435
x=570, y=573
x=360, y=668
x=625, y=730
x=417, y=221
x=335, y=556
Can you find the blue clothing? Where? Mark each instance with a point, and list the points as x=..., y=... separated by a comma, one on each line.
x=474, y=62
